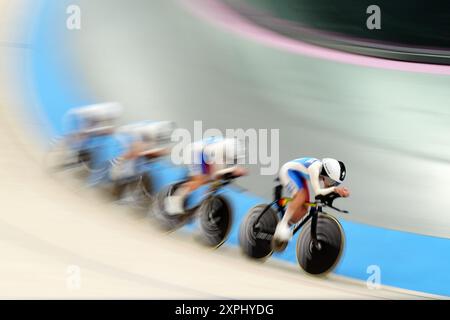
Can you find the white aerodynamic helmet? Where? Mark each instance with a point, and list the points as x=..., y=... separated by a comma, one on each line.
x=100, y=112
x=150, y=131
x=230, y=150
x=158, y=131
x=235, y=149
x=334, y=169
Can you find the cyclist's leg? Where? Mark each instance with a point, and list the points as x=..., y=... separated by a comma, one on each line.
x=175, y=204
x=199, y=173
x=295, y=185
x=294, y=182
x=194, y=183
x=297, y=209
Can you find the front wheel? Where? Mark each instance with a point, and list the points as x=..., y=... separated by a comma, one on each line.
x=256, y=232
x=322, y=257
x=215, y=221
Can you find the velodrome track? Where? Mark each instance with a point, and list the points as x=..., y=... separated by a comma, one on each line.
x=50, y=223
x=393, y=123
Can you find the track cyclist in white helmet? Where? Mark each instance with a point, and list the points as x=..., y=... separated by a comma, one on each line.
x=141, y=140
x=325, y=177
x=93, y=119
x=209, y=160
x=87, y=130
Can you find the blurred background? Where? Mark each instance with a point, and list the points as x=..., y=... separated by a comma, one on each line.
x=391, y=128
x=409, y=31
x=376, y=99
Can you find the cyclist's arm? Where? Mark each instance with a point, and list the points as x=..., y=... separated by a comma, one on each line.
x=221, y=172
x=314, y=173
x=155, y=152
x=235, y=172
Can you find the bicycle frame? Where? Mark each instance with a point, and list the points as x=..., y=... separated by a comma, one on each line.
x=313, y=214
x=215, y=187
x=314, y=209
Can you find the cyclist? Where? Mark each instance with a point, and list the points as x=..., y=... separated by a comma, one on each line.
x=91, y=120
x=87, y=130
x=325, y=177
x=210, y=159
x=141, y=142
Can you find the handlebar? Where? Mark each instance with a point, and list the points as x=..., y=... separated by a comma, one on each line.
x=327, y=201
x=223, y=181
x=321, y=200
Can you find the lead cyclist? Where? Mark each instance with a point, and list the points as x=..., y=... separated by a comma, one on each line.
x=325, y=177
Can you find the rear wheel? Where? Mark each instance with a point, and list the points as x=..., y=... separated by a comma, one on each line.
x=255, y=237
x=321, y=258
x=215, y=221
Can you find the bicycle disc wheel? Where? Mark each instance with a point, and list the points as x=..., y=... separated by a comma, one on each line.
x=256, y=239
x=215, y=221
x=330, y=236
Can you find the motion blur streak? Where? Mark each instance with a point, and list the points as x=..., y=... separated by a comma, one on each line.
x=217, y=12
x=163, y=72
x=50, y=226
x=390, y=127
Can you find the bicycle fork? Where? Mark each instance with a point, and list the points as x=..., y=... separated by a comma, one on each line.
x=313, y=215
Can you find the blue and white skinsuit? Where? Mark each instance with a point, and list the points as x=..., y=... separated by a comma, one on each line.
x=295, y=174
